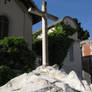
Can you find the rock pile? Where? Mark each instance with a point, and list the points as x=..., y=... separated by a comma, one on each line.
x=48, y=79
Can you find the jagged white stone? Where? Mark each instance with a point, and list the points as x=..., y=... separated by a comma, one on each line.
x=73, y=81
x=91, y=87
x=87, y=87
x=47, y=79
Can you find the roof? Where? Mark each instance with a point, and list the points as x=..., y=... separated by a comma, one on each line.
x=49, y=26
x=28, y=4
x=60, y=20
x=86, y=41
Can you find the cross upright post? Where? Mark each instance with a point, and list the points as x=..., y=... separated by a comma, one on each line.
x=44, y=16
x=44, y=35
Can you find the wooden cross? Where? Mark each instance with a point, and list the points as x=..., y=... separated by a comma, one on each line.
x=44, y=16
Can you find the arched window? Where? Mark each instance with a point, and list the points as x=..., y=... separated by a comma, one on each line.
x=3, y=27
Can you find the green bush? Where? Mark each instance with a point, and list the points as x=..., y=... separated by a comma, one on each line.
x=15, y=58
x=37, y=47
x=14, y=52
x=58, y=47
x=5, y=74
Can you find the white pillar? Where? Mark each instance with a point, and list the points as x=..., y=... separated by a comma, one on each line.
x=44, y=36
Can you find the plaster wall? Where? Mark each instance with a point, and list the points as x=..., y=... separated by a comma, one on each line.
x=74, y=36
x=20, y=23
x=76, y=63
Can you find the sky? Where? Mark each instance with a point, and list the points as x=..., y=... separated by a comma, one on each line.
x=80, y=9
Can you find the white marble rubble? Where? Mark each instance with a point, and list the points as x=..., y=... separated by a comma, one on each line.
x=47, y=79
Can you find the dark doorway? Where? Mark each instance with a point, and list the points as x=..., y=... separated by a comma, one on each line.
x=4, y=27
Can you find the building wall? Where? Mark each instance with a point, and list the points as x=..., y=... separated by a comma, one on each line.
x=75, y=64
x=86, y=50
x=20, y=23
x=73, y=58
x=86, y=47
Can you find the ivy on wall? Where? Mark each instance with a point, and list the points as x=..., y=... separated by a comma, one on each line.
x=82, y=34
x=58, y=43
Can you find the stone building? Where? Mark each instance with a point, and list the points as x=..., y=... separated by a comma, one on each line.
x=15, y=19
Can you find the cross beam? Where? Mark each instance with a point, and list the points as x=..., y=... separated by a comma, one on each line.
x=41, y=13
x=44, y=16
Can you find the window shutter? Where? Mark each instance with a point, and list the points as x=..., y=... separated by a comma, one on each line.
x=71, y=53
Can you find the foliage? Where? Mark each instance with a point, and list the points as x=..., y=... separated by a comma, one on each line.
x=5, y=74
x=82, y=34
x=35, y=35
x=16, y=52
x=58, y=48
x=64, y=30
x=37, y=46
x=15, y=57
x=58, y=43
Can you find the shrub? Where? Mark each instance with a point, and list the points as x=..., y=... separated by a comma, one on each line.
x=14, y=52
x=15, y=58
x=5, y=74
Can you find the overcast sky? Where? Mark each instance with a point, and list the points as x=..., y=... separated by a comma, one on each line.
x=81, y=9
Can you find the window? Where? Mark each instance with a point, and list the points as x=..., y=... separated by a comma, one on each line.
x=3, y=27
x=71, y=53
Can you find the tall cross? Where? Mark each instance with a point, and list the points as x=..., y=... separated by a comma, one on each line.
x=44, y=16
